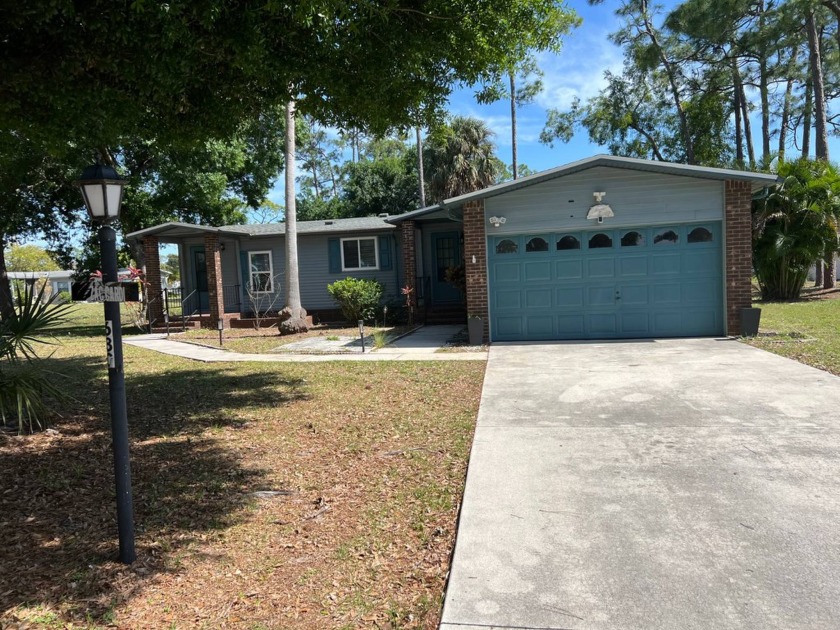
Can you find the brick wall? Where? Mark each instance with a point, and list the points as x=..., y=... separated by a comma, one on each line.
x=151, y=269
x=214, y=278
x=738, y=198
x=409, y=255
x=475, y=245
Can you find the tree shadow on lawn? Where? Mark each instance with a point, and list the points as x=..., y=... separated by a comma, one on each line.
x=57, y=501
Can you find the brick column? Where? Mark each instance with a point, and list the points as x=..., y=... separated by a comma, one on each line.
x=409, y=255
x=151, y=270
x=737, y=202
x=213, y=256
x=475, y=245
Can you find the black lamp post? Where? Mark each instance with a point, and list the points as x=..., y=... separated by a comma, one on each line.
x=102, y=190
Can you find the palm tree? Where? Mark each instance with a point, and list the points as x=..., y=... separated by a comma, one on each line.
x=293, y=316
x=460, y=158
x=794, y=226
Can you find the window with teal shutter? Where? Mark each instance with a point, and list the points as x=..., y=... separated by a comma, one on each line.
x=385, y=253
x=334, y=248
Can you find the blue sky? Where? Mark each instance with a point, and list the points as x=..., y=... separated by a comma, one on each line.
x=578, y=71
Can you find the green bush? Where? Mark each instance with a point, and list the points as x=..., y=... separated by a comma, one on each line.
x=25, y=384
x=63, y=297
x=357, y=298
x=794, y=226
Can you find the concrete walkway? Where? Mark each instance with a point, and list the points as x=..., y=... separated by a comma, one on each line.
x=671, y=485
x=417, y=346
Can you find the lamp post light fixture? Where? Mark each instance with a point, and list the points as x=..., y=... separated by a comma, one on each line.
x=102, y=190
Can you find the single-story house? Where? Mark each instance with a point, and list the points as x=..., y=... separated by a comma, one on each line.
x=606, y=247
x=231, y=271
x=55, y=281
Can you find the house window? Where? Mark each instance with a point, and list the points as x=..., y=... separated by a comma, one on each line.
x=600, y=241
x=568, y=242
x=359, y=253
x=632, y=239
x=507, y=246
x=262, y=272
x=668, y=237
x=700, y=235
x=536, y=244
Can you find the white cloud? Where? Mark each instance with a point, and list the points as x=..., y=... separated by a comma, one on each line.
x=578, y=71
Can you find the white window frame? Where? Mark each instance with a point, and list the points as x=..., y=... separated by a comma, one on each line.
x=251, y=272
x=358, y=240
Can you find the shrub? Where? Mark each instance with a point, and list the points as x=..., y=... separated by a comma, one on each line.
x=795, y=225
x=357, y=298
x=24, y=383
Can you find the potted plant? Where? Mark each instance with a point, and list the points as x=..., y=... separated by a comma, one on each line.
x=475, y=328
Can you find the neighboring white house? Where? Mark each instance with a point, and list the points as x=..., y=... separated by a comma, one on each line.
x=57, y=281
x=812, y=274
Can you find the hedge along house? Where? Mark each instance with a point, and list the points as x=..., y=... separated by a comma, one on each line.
x=231, y=271
x=606, y=247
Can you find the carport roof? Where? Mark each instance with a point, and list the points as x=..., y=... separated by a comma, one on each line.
x=181, y=230
x=758, y=180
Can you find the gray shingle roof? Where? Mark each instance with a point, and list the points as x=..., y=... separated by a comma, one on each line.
x=176, y=229
x=361, y=224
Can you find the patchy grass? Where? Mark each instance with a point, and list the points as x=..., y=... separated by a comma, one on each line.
x=367, y=461
x=806, y=330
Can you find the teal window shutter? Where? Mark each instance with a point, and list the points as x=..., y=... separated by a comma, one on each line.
x=243, y=265
x=385, y=262
x=335, y=255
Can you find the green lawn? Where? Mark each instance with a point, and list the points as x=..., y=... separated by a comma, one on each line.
x=808, y=331
x=368, y=460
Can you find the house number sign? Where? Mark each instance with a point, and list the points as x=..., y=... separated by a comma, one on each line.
x=109, y=343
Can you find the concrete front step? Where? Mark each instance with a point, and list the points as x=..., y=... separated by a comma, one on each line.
x=452, y=315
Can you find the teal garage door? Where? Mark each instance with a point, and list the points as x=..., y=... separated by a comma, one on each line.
x=607, y=283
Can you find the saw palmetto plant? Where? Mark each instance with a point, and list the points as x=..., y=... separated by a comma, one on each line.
x=26, y=384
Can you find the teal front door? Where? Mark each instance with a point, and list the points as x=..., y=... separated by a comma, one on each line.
x=607, y=283
x=202, y=297
x=446, y=253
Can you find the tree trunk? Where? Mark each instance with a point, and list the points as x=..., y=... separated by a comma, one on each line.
x=293, y=316
x=421, y=174
x=806, y=119
x=830, y=272
x=315, y=181
x=818, y=274
x=820, y=124
x=7, y=305
x=514, y=165
x=745, y=112
x=764, y=93
x=783, y=125
x=736, y=106
x=788, y=102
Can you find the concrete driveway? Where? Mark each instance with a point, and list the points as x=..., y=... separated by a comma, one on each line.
x=652, y=484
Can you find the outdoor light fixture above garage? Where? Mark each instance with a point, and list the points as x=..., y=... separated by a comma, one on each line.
x=497, y=221
x=599, y=211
